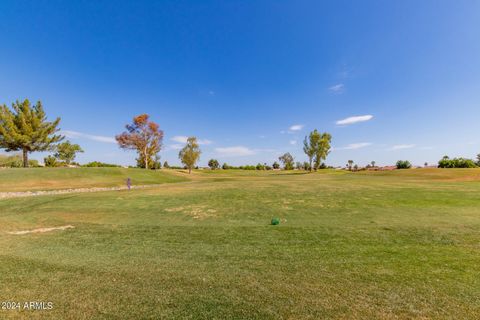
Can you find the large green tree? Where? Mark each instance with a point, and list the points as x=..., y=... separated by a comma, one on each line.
x=190, y=154
x=310, y=145
x=317, y=147
x=323, y=149
x=350, y=164
x=213, y=164
x=25, y=128
x=67, y=151
x=287, y=160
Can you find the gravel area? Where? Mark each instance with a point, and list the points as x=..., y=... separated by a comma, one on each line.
x=22, y=194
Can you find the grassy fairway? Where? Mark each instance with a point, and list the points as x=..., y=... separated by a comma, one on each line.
x=64, y=178
x=401, y=244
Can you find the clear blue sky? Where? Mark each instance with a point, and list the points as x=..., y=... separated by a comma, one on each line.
x=252, y=78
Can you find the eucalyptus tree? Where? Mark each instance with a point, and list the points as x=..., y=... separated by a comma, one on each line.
x=190, y=154
x=317, y=147
x=145, y=137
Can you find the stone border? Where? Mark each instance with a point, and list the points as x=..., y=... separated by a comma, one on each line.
x=23, y=194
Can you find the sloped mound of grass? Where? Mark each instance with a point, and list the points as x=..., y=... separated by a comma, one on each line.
x=32, y=179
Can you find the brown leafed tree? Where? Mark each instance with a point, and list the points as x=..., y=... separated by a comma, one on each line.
x=144, y=136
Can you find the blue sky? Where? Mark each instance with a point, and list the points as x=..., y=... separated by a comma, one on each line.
x=251, y=78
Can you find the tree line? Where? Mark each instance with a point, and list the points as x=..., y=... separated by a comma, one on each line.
x=24, y=127
x=145, y=137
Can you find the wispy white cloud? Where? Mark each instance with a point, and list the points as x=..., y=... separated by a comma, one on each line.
x=359, y=145
x=183, y=139
x=354, y=146
x=354, y=119
x=293, y=129
x=293, y=142
x=175, y=146
x=337, y=89
x=211, y=93
x=204, y=141
x=402, y=146
x=296, y=127
x=80, y=135
x=236, y=151
x=180, y=139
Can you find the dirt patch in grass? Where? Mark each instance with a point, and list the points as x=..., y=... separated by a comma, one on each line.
x=41, y=230
x=195, y=211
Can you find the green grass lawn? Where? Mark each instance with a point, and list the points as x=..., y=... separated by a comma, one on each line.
x=20, y=179
x=384, y=245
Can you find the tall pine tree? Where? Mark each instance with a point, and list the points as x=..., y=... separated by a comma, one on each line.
x=25, y=128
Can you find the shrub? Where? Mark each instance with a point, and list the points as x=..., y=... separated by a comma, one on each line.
x=306, y=166
x=260, y=167
x=33, y=163
x=225, y=166
x=157, y=165
x=13, y=161
x=446, y=162
x=403, y=164
x=166, y=165
x=276, y=165
x=50, y=161
x=152, y=162
x=213, y=164
x=96, y=164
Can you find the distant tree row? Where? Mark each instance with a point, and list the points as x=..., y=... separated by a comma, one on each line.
x=145, y=137
x=15, y=161
x=445, y=162
x=24, y=128
x=316, y=146
x=264, y=166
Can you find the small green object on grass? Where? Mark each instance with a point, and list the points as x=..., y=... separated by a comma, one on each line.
x=275, y=221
